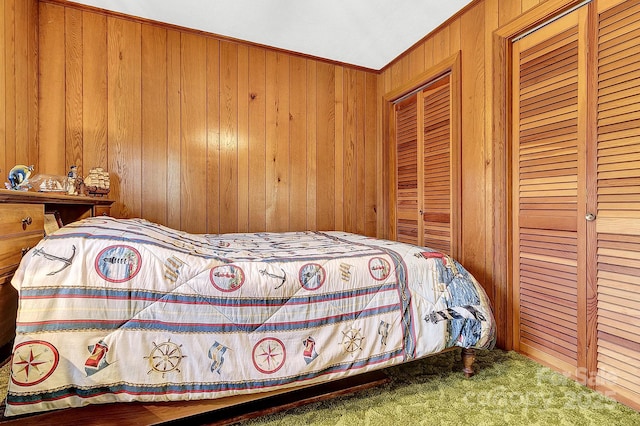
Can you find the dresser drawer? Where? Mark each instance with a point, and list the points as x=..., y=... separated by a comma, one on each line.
x=12, y=250
x=21, y=219
x=102, y=211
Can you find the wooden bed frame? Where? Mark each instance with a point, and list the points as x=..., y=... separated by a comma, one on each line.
x=221, y=411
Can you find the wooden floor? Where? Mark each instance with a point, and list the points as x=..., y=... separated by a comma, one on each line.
x=221, y=411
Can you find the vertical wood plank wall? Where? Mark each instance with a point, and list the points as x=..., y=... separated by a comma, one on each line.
x=207, y=135
x=18, y=84
x=469, y=33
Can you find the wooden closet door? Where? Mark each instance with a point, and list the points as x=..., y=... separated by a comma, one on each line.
x=549, y=195
x=618, y=201
x=427, y=172
x=438, y=189
x=407, y=191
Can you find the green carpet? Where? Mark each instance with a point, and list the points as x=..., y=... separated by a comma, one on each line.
x=507, y=389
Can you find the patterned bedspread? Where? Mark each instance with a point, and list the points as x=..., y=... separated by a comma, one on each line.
x=127, y=310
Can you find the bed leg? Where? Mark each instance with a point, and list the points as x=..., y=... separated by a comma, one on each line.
x=468, y=358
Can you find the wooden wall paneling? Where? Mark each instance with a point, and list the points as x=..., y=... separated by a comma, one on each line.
x=94, y=93
x=508, y=10
x=174, y=167
x=441, y=50
x=4, y=146
x=428, y=56
x=193, y=134
x=454, y=36
x=529, y=4
x=124, y=112
x=229, y=194
x=382, y=206
x=312, y=141
x=491, y=20
x=18, y=83
x=243, y=139
x=416, y=59
x=21, y=41
x=277, y=142
x=371, y=168
x=257, y=139
x=9, y=87
x=120, y=116
x=473, y=253
x=154, y=123
x=73, y=89
x=360, y=156
x=51, y=123
x=339, y=148
x=350, y=190
x=213, y=187
x=298, y=144
x=32, y=76
x=326, y=134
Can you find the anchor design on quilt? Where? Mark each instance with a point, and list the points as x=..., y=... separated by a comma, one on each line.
x=282, y=278
x=216, y=352
x=309, y=350
x=98, y=358
x=64, y=260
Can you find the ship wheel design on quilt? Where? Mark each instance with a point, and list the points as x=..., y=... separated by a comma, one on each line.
x=269, y=355
x=165, y=357
x=352, y=340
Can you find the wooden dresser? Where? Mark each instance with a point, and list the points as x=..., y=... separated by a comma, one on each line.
x=22, y=221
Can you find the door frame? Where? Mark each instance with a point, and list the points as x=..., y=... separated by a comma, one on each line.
x=502, y=152
x=451, y=65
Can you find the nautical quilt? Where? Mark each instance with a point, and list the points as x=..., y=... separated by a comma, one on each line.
x=115, y=310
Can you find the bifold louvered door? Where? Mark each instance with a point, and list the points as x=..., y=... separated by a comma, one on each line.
x=426, y=171
x=437, y=166
x=576, y=196
x=618, y=200
x=550, y=191
x=407, y=205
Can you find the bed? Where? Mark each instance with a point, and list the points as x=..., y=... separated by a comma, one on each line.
x=120, y=310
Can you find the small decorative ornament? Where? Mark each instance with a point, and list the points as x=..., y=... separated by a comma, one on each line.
x=97, y=183
x=72, y=176
x=19, y=178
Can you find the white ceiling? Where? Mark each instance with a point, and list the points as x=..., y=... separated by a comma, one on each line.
x=366, y=33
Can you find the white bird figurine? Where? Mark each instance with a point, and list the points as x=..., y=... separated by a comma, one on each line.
x=19, y=178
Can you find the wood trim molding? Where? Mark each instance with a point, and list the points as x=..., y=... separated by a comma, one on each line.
x=502, y=258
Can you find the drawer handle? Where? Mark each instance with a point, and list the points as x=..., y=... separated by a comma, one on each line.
x=26, y=222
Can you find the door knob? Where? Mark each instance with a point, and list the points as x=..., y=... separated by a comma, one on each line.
x=590, y=217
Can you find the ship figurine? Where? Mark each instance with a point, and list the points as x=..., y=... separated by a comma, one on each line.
x=97, y=183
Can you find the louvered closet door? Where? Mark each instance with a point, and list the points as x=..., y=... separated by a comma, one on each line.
x=426, y=170
x=407, y=207
x=618, y=200
x=548, y=192
x=436, y=218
